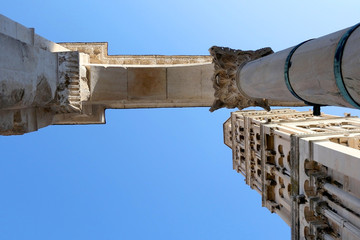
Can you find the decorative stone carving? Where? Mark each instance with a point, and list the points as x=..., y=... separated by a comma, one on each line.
x=67, y=98
x=226, y=62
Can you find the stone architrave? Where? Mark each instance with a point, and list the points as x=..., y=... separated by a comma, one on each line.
x=43, y=83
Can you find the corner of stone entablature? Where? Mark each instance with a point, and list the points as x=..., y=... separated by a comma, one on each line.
x=72, y=84
x=97, y=51
x=98, y=54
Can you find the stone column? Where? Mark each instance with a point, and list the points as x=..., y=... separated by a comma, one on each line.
x=322, y=71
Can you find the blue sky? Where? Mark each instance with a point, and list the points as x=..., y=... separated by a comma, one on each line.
x=150, y=173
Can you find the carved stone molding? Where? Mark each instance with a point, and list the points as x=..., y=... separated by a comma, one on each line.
x=68, y=90
x=226, y=63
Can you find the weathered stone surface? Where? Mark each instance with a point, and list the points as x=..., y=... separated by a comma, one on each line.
x=43, y=93
x=25, y=71
x=168, y=86
x=20, y=121
x=207, y=90
x=147, y=83
x=184, y=82
x=35, y=83
x=108, y=83
x=99, y=55
x=227, y=61
x=90, y=114
x=16, y=30
x=68, y=90
x=114, y=83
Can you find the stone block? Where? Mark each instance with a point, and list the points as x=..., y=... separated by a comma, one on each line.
x=15, y=30
x=24, y=34
x=184, y=82
x=108, y=83
x=207, y=90
x=7, y=26
x=147, y=83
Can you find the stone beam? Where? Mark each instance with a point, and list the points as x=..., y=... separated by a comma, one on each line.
x=43, y=83
x=151, y=86
x=140, y=81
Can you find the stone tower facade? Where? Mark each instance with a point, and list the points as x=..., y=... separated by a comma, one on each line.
x=304, y=167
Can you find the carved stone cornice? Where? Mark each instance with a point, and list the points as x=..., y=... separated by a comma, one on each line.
x=98, y=52
x=226, y=63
